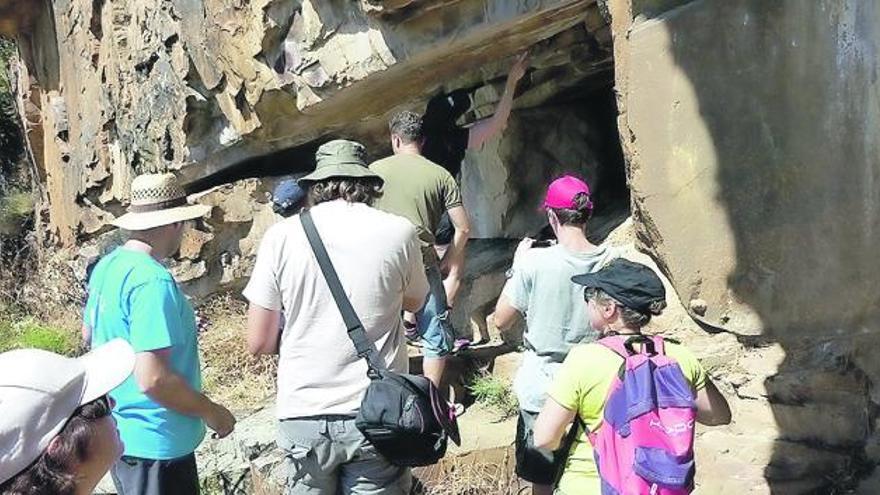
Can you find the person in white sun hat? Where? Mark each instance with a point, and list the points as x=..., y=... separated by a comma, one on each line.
x=160, y=410
x=56, y=432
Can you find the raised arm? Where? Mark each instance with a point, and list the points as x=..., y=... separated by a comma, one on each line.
x=487, y=129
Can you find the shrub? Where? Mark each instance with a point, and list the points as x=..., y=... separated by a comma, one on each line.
x=494, y=393
x=16, y=207
x=28, y=333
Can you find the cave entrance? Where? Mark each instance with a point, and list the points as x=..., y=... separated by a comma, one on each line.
x=564, y=121
x=571, y=130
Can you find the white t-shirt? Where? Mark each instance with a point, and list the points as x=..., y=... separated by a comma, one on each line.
x=378, y=260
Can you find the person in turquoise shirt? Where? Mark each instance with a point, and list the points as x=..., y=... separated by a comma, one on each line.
x=160, y=410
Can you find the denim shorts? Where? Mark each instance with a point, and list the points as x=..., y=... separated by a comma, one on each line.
x=433, y=319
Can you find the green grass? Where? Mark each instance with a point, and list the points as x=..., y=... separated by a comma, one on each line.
x=29, y=333
x=494, y=393
x=15, y=208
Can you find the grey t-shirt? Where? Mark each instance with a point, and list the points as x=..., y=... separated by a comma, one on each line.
x=540, y=288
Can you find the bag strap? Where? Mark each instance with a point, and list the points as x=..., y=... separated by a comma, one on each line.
x=355, y=329
x=615, y=345
x=659, y=345
x=567, y=442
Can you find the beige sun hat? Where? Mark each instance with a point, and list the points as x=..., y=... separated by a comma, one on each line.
x=157, y=200
x=40, y=390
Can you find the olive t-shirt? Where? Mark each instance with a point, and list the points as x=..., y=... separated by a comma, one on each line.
x=420, y=191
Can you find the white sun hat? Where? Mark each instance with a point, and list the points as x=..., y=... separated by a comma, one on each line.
x=40, y=390
x=157, y=200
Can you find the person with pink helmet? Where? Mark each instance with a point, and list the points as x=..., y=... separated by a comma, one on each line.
x=539, y=289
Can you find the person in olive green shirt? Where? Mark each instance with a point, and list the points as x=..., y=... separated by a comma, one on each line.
x=421, y=191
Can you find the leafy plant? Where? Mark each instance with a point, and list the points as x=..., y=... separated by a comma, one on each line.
x=495, y=393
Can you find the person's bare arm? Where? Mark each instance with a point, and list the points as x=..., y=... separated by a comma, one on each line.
x=551, y=424
x=416, y=291
x=712, y=407
x=487, y=129
x=86, y=334
x=159, y=382
x=263, y=330
x=412, y=304
x=453, y=261
x=505, y=314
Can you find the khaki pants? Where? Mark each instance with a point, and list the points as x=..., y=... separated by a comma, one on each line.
x=328, y=455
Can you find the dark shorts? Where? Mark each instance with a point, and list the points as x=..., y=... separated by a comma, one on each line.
x=534, y=465
x=136, y=476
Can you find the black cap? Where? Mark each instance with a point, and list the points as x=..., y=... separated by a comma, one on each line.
x=633, y=284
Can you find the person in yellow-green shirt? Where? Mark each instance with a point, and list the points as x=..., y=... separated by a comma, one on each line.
x=620, y=298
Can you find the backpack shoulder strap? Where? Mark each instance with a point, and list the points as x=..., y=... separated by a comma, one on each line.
x=615, y=345
x=659, y=345
x=357, y=334
x=577, y=426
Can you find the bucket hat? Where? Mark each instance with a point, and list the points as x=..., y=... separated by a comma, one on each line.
x=340, y=158
x=157, y=200
x=40, y=391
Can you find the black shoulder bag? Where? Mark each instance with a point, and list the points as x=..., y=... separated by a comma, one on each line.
x=402, y=415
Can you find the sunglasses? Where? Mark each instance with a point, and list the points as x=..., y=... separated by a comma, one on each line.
x=96, y=409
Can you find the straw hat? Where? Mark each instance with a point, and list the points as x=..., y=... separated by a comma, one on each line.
x=340, y=158
x=157, y=200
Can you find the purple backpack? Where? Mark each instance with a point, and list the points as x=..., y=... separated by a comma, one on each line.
x=644, y=445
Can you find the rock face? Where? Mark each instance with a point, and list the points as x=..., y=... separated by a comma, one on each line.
x=768, y=169
x=210, y=87
x=235, y=93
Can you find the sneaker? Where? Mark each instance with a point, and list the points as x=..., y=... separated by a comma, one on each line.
x=412, y=335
